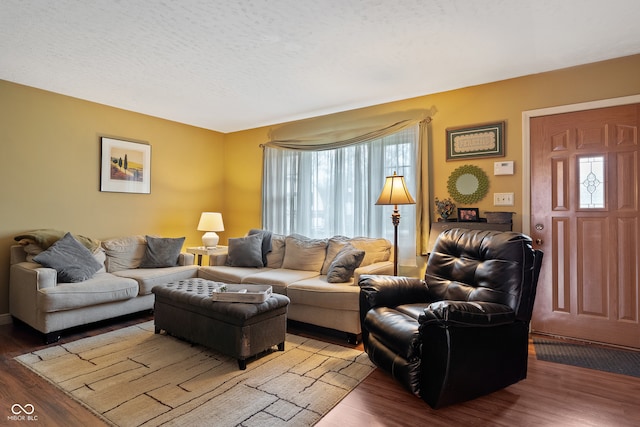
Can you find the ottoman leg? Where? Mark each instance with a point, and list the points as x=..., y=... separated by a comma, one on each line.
x=281, y=346
x=242, y=364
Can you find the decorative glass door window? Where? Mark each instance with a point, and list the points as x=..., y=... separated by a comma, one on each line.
x=591, y=182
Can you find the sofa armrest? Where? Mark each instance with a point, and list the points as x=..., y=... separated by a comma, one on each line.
x=467, y=314
x=25, y=281
x=186, y=258
x=32, y=275
x=391, y=291
x=377, y=268
x=218, y=259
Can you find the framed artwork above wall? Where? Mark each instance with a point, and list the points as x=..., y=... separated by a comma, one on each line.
x=125, y=166
x=476, y=141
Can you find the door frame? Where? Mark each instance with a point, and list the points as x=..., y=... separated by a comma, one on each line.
x=526, y=142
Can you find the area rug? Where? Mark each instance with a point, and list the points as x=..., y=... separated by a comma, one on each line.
x=589, y=356
x=133, y=377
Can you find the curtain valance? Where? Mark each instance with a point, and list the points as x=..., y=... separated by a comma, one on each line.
x=341, y=130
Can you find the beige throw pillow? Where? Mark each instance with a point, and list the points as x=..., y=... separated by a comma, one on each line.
x=302, y=253
x=276, y=256
x=124, y=253
x=376, y=250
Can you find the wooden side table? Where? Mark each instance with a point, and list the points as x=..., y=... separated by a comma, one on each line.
x=203, y=250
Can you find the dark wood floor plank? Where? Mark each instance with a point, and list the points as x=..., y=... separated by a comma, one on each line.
x=552, y=395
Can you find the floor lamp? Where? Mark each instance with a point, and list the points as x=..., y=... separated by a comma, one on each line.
x=395, y=193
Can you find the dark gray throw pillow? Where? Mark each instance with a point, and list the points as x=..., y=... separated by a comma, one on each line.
x=162, y=252
x=266, y=242
x=72, y=261
x=345, y=263
x=245, y=251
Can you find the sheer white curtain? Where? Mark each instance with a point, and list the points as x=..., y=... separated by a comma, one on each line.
x=333, y=192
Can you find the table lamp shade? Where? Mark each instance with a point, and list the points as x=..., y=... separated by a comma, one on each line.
x=210, y=222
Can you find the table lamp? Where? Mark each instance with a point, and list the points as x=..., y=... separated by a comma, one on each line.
x=210, y=222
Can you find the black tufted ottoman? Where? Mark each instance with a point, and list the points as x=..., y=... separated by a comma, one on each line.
x=186, y=310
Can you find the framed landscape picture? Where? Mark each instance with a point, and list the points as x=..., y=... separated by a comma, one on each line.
x=125, y=166
x=469, y=142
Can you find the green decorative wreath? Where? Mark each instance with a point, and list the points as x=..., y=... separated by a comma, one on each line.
x=478, y=194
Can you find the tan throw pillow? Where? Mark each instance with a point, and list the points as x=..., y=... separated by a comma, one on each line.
x=124, y=253
x=302, y=253
x=276, y=256
x=336, y=243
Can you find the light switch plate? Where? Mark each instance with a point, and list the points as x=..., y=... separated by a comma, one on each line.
x=503, y=168
x=503, y=199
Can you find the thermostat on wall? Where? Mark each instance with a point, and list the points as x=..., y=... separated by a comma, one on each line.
x=503, y=168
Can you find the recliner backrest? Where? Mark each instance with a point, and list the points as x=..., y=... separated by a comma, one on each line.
x=484, y=265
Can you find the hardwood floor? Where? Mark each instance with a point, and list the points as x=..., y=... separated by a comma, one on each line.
x=552, y=395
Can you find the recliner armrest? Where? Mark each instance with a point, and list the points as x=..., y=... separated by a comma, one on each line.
x=467, y=314
x=391, y=291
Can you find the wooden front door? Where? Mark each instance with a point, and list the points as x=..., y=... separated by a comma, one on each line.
x=584, y=216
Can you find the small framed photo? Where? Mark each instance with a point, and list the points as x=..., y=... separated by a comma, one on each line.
x=125, y=166
x=476, y=141
x=468, y=215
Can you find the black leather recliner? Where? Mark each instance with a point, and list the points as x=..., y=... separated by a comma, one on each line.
x=463, y=332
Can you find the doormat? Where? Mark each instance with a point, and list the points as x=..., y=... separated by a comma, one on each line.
x=616, y=361
x=133, y=377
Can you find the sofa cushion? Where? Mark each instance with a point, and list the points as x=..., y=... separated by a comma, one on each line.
x=161, y=252
x=344, y=264
x=73, y=261
x=276, y=256
x=227, y=274
x=278, y=278
x=302, y=253
x=316, y=291
x=376, y=250
x=245, y=251
x=101, y=288
x=124, y=253
x=147, y=278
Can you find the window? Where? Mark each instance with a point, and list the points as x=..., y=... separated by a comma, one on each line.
x=333, y=192
x=591, y=179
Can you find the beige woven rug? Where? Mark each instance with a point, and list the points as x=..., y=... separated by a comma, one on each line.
x=133, y=377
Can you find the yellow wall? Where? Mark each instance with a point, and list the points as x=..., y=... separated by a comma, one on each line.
x=50, y=156
x=50, y=172
x=504, y=100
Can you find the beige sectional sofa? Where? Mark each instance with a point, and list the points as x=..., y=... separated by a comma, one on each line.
x=320, y=276
x=316, y=274
x=125, y=271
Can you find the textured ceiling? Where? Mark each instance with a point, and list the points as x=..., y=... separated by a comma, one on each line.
x=232, y=65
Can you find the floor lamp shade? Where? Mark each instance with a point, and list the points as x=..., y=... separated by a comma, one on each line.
x=395, y=192
x=210, y=222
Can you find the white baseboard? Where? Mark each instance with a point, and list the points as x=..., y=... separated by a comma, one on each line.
x=5, y=319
